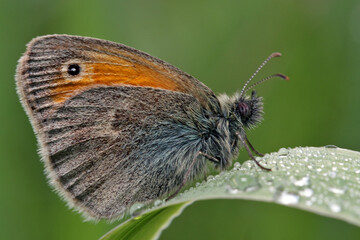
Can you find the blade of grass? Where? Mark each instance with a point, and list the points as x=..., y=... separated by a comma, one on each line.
x=322, y=180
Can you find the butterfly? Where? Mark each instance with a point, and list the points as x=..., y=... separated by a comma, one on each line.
x=116, y=126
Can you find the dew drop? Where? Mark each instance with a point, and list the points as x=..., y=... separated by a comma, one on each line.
x=243, y=179
x=302, y=182
x=237, y=166
x=283, y=152
x=231, y=190
x=332, y=174
x=335, y=207
x=252, y=188
x=337, y=191
x=158, y=202
x=248, y=164
x=307, y=192
x=136, y=209
x=287, y=198
x=209, y=178
x=330, y=146
x=246, y=183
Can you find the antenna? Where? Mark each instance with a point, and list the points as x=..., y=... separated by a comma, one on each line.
x=267, y=78
x=276, y=54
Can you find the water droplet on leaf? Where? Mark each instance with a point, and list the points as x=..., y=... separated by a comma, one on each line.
x=307, y=192
x=136, y=209
x=158, y=202
x=330, y=146
x=237, y=166
x=287, y=198
x=283, y=152
x=334, y=207
x=337, y=191
x=302, y=182
x=246, y=183
x=209, y=178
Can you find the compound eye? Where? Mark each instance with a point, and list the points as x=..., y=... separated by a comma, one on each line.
x=244, y=109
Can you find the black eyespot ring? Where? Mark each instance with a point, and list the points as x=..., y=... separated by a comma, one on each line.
x=73, y=69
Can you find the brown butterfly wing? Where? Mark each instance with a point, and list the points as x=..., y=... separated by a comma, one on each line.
x=43, y=70
x=114, y=135
x=108, y=148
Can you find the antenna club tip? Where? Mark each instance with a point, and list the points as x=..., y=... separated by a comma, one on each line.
x=276, y=54
x=282, y=76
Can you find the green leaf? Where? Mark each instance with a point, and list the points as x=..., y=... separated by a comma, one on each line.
x=322, y=180
x=148, y=225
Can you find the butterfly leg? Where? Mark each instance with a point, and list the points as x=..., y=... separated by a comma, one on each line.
x=210, y=158
x=252, y=148
x=245, y=144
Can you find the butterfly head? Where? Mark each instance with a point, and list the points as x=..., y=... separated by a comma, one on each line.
x=249, y=110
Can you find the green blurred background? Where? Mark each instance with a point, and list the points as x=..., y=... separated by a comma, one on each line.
x=221, y=43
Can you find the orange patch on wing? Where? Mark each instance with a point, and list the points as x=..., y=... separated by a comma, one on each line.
x=112, y=71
